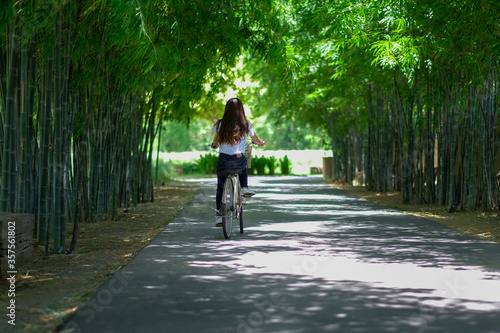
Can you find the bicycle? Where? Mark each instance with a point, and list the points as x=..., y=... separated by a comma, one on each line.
x=232, y=204
x=233, y=200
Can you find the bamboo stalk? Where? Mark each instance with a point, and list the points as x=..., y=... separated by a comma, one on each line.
x=58, y=160
x=23, y=153
x=31, y=144
x=370, y=172
x=68, y=116
x=13, y=110
x=430, y=150
x=3, y=92
x=8, y=157
x=46, y=151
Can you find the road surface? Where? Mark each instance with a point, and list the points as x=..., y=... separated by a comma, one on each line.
x=312, y=259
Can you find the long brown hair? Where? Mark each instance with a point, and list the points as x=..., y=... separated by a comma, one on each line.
x=234, y=125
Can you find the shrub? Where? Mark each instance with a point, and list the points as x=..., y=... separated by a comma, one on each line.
x=189, y=168
x=285, y=165
x=272, y=164
x=207, y=163
x=166, y=170
x=258, y=165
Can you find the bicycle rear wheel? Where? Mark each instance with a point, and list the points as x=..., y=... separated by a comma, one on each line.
x=227, y=208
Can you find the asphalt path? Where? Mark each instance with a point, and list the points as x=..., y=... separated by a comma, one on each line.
x=311, y=259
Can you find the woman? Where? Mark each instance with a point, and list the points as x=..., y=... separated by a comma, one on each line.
x=230, y=137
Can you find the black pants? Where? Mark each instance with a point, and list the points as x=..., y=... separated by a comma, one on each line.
x=230, y=164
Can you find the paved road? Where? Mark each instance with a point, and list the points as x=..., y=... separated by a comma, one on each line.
x=312, y=259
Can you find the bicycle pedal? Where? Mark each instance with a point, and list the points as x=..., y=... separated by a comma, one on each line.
x=247, y=195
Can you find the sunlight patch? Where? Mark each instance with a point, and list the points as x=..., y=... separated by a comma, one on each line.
x=444, y=285
x=305, y=226
x=204, y=277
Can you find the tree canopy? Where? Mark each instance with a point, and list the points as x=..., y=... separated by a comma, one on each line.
x=84, y=85
x=406, y=90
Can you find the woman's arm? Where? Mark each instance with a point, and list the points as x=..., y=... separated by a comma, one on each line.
x=258, y=141
x=215, y=141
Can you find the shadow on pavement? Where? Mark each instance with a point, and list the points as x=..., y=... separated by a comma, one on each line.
x=311, y=260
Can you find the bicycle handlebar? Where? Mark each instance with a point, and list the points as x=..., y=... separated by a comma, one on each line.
x=253, y=143
x=247, y=145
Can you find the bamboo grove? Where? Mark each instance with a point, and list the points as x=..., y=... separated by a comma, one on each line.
x=85, y=85
x=408, y=92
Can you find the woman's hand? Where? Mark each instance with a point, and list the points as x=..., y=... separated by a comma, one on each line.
x=261, y=143
x=258, y=141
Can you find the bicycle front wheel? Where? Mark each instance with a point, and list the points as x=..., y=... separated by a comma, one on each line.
x=239, y=205
x=227, y=208
x=241, y=219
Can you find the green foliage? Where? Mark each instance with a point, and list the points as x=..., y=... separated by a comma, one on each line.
x=85, y=84
x=271, y=164
x=189, y=168
x=182, y=137
x=286, y=134
x=259, y=164
x=262, y=165
x=395, y=83
x=165, y=170
x=91, y=82
x=282, y=134
x=204, y=165
x=207, y=164
x=285, y=165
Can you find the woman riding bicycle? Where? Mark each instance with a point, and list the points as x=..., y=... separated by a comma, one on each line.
x=230, y=137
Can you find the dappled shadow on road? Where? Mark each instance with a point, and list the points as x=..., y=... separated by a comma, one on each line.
x=259, y=285
x=311, y=260
x=354, y=224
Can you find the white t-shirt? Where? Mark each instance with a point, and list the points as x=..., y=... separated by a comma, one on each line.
x=238, y=148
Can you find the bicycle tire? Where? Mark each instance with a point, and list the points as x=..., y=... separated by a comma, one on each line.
x=241, y=219
x=227, y=209
x=239, y=205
